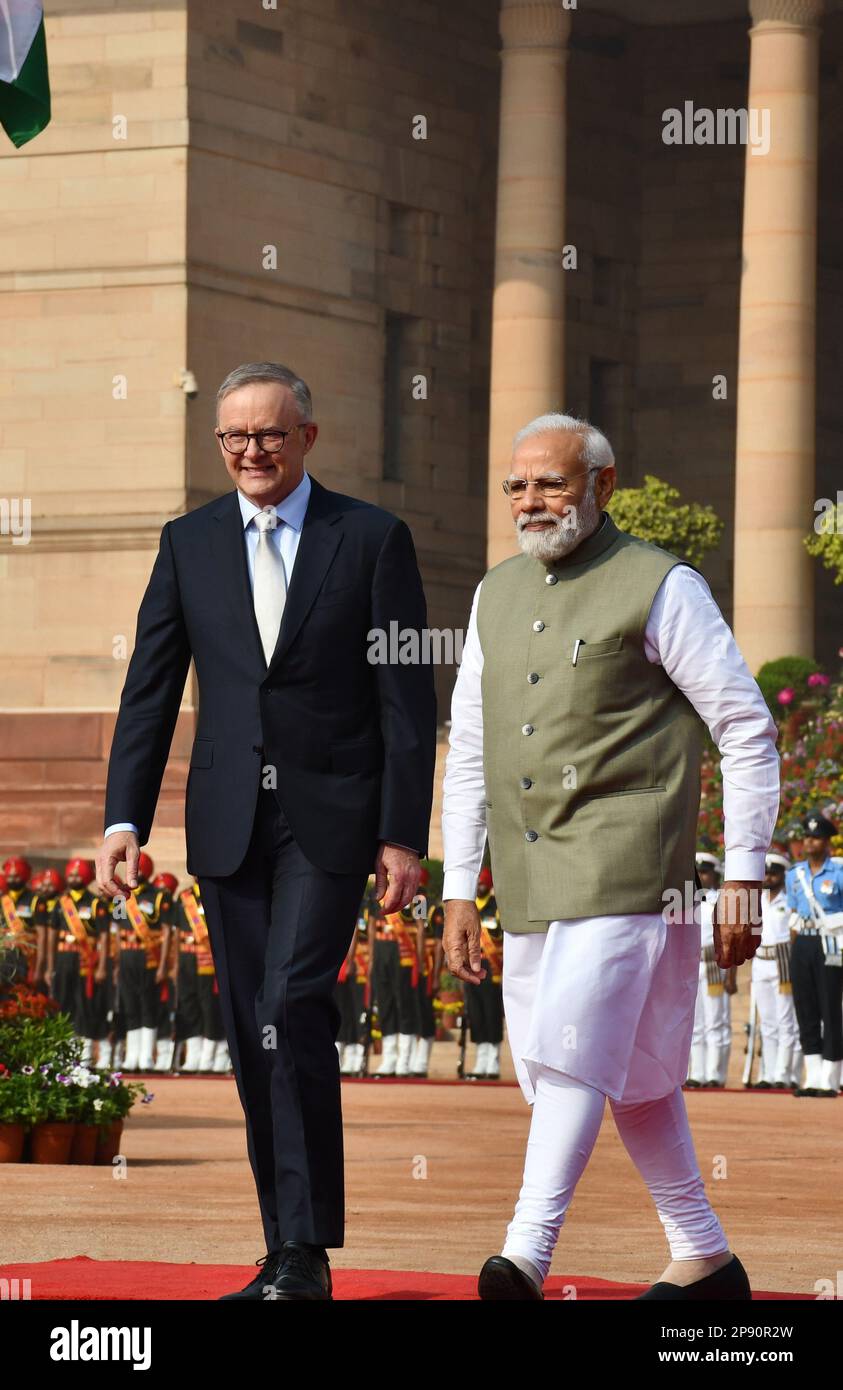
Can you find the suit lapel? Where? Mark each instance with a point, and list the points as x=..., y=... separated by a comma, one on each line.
x=318, y=544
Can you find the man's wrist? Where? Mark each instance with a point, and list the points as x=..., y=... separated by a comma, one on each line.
x=120, y=825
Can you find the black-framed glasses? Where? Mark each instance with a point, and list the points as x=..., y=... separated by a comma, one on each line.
x=546, y=487
x=269, y=441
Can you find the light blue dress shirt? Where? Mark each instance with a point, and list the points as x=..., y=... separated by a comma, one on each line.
x=284, y=537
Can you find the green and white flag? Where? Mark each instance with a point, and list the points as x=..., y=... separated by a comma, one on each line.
x=24, y=82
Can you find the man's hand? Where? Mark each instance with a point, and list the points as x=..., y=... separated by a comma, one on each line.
x=397, y=874
x=461, y=940
x=119, y=846
x=737, y=912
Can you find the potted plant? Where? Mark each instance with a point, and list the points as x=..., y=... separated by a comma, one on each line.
x=15, y=1092
x=112, y=1102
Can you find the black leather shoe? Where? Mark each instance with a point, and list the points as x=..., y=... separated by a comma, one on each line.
x=801, y=1091
x=502, y=1281
x=303, y=1274
x=727, y=1284
x=827, y=1095
x=254, y=1290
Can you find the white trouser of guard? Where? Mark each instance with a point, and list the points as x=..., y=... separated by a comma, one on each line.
x=164, y=1054
x=206, y=1055
x=830, y=1075
x=131, y=1055
x=421, y=1056
x=389, y=1055
x=711, y=1041
x=147, y=1048
x=105, y=1053
x=777, y=1019
x=222, y=1058
x=405, y=1048
x=566, y=1120
x=192, y=1053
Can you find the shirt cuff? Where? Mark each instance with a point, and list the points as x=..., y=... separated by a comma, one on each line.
x=120, y=825
x=744, y=864
x=459, y=883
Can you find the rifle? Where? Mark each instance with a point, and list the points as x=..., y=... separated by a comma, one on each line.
x=463, y=1038
x=751, y=1029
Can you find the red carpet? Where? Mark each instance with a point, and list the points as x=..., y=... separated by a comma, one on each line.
x=138, y=1280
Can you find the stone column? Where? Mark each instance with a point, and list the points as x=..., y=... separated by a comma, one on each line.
x=528, y=340
x=774, y=483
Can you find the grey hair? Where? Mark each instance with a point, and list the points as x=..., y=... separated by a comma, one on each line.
x=249, y=372
x=596, y=451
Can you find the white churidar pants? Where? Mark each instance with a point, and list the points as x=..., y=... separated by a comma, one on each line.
x=599, y=1007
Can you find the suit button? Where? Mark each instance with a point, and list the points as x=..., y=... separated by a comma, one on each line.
x=257, y=748
x=538, y=625
x=551, y=579
x=532, y=678
x=526, y=728
x=531, y=835
x=526, y=783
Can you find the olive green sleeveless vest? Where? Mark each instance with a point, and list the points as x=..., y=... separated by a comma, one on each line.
x=591, y=754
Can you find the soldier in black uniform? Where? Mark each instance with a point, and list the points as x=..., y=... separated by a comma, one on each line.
x=144, y=920
x=23, y=927
x=201, y=1023
x=77, y=941
x=430, y=929
x=484, y=1002
x=352, y=997
x=394, y=981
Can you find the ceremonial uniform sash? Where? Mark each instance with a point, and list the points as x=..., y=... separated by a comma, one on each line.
x=138, y=921
x=199, y=928
x=408, y=955
x=13, y=919
x=87, y=951
x=493, y=951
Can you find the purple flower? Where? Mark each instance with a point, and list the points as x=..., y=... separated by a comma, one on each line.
x=27, y=1071
x=150, y=1096
x=46, y=1067
x=63, y=1080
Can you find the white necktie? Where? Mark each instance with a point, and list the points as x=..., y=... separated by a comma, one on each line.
x=270, y=590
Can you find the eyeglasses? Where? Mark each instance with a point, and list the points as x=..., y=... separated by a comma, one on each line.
x=269, y=441
x=546, y=487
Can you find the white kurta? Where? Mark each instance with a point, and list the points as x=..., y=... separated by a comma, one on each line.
x=610, y=1000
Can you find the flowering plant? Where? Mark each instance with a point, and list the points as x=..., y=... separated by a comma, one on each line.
x=811, y=748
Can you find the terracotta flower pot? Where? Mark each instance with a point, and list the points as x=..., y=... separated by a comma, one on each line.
x=84, y=1146
x=52, y=1140
x=11, y=1142
x=108, y=1142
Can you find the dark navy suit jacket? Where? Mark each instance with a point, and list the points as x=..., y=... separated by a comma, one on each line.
x=353, y=743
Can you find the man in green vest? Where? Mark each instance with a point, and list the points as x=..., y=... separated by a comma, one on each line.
x=591, y=664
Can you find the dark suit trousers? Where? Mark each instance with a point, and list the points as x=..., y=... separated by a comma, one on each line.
x=280, y=928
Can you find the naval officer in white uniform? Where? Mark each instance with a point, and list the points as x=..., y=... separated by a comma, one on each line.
x=600, y=1003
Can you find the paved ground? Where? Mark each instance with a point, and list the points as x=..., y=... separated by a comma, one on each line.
x=432, y=1174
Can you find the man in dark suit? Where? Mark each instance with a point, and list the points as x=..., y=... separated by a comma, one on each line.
x=312, y=765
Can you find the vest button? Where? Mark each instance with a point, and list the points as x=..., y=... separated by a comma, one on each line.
x=531, y=835
x=532, y=678
x=538, y=625
x=526, y=783
x=526, y=728
x=551, y=579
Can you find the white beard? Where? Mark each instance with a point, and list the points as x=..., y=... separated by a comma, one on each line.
x=564, y=535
